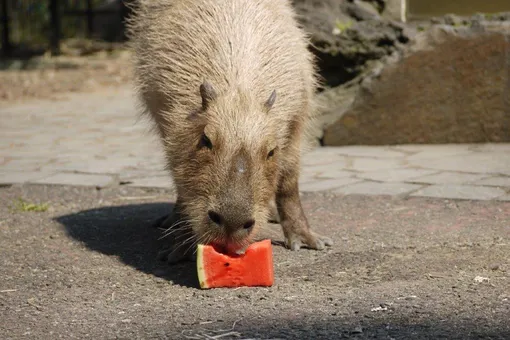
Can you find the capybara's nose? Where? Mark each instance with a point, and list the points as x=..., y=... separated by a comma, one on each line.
x=231, y=223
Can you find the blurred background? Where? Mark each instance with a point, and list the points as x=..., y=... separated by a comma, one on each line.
x=394, y=71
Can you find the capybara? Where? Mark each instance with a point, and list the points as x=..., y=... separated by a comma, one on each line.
x=229, y=85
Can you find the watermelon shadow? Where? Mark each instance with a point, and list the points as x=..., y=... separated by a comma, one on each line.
x=128, y=232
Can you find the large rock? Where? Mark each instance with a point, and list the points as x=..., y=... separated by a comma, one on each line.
x=350, y=38
x=451, y=85
x=346, y=35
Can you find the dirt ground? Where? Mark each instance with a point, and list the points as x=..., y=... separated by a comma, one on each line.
x=54, y=77
x=400, y=269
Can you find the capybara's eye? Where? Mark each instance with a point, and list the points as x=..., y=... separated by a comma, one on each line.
x=205, y=141
x=270, y=154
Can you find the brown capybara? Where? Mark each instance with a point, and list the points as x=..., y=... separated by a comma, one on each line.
x=229, y=85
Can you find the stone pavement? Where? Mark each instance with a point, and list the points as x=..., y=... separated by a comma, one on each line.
x=98, y=140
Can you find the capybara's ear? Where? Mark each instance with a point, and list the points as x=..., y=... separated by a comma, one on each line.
x=208, y=94
x=270, y=101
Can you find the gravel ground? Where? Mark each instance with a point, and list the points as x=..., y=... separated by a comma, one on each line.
x=413, y=268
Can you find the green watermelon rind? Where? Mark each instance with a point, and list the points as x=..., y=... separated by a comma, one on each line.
x=200, y=267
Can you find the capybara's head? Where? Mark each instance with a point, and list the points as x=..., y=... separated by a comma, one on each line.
x=228, y=166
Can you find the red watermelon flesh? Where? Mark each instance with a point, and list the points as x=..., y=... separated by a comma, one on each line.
x=253, y=268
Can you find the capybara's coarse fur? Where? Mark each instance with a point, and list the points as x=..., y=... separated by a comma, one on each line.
x=229, y=85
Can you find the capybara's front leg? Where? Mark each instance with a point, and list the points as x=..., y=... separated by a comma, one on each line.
x=292, y=218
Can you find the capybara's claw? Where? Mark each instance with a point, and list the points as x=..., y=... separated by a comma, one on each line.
x=308, y=239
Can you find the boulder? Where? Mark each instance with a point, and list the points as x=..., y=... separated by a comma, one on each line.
x=351, y=39
x=452, y=84
x=347, y=35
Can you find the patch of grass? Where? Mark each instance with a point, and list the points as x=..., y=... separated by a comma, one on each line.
x=24, y=206
x=342, y=26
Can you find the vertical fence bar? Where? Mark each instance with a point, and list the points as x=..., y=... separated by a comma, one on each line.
x=90, y=19
x=506, y=122
x=6, y=43
x=55, y=26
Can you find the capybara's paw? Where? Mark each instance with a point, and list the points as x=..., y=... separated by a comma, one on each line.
x=309, y=239
x=175, y=254
x=178, y=238
x=163, y=222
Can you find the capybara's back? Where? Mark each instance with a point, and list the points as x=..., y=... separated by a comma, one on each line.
x=229, y=85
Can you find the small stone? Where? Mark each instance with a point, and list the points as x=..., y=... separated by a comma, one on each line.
x=481, y=279
x=357, y=330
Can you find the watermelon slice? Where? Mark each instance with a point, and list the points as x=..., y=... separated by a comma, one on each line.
x=253, y=268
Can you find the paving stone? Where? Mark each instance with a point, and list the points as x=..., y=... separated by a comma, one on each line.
x=491, y=147
x=395, y=175
x=476, y=162
x=22, y=164
x=77, y=179
x=304, y=181
x=372, y=164
x=376, y=188
x=128, y=174
x=327, y=184
x=369, y=151
x=407, y=148
x=152, y=182
x=42, y=138
x=22, y=176
x=66, y=165
x=460, y=192
x=335, y=173
x=305, y=178
x=338, y=165
x=440, y=150
x=31, y=152
x=449, y=177
x=495, y=181
x=313, y=159
x=111, y=165
x=504, y=198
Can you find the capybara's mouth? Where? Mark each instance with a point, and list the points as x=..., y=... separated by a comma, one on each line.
x=231, y=247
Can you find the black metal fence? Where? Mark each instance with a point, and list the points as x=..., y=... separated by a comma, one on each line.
x=42, y=24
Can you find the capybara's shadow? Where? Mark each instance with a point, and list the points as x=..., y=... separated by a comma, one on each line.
x=128, y=232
